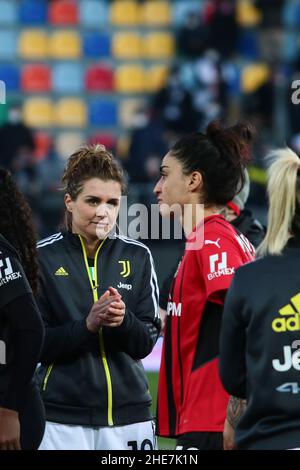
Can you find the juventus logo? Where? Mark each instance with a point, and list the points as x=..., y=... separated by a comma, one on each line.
x=126, y=268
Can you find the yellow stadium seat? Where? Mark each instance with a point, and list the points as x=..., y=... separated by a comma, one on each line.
x=65, y=45
x=159, y=46
x=125, y=13
x=38, y=112
x=67, y=142
x=156, y=13
x=130, y=79
x=33, y=44
x=127, y=46
x=70, y=112
x=156, y=77
x=128, y=110
x=247, y=14
x=253, y=76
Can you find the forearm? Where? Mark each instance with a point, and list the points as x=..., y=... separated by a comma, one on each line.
x=235, y=409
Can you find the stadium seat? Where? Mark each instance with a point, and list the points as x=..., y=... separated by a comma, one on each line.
x=125, y=13
x=33, y=44
x=38, y=112
x=99, y=78
x=159, y=45
x=127, y=111
x=108, y=140
x=96, y=45
x=70, y=112
x=156, y=13
x=247, y=14
x=156, y=77
x=10, y=75
x=253, y=76
x=8, y=15
x=65, y=45
x=67, y=78
x=181, y=8
x=248, y=44
x=33, y=12
x=43, y=142
x=8, y=45
x=93, y=13
x=63, y=12
x=36, y=78
x=127, y=46
x=103, y=112
x=130, y=79
x=67, y=142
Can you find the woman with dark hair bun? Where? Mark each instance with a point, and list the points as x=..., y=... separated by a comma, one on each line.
x=22, y=418
x=199, y=175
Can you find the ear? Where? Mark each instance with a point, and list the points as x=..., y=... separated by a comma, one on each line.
x=195, y=182
x=68, y=202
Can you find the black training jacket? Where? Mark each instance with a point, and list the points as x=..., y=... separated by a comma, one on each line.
x=260, y=349
x=96, y=379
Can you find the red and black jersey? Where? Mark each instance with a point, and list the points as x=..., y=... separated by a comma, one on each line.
x=191, y=397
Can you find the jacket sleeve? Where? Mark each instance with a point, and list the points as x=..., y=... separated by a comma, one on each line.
x=140, y=329
x=26, y=326
x=233, y=342
x=62, y=342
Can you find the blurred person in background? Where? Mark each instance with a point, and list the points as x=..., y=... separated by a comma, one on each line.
x=259, y=351
x=22, y=416
x=99, y=302
x=17, y=143
x=200, y=170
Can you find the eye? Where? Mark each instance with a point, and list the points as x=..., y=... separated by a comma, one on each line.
x=93, y=202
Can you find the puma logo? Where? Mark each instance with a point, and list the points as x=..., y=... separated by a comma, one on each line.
x=211, y=242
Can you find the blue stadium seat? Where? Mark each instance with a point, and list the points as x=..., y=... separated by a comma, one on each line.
x=8, y=45
x=8, y=15
x=96, y=45
x=67, y=78
x=103, y=112
x=10, y=75
x=248, y=45
x=33, y=12
x=183, y=7
x=93, y=13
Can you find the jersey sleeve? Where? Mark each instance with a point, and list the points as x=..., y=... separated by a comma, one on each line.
x=219, y=257
x=13, y=282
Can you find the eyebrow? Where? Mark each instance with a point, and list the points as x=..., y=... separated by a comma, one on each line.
x=100, y=199
x=163, y=166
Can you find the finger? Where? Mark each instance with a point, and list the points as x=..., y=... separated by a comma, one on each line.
x=105, y=295
x=112, y=325
x=114, y=291
x=116, y=311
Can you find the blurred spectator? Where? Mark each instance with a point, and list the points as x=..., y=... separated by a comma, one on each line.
x=220, y=17
x=174, y=105
x=17, y=144
x=148, y=144
x=192, y=38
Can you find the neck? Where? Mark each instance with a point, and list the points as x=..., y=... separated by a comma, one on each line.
x=194, y=214
x=91, y=245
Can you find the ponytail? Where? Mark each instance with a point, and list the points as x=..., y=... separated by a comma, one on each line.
x=284, y=201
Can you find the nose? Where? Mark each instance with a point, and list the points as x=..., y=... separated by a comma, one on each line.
x=101, y=210
x=157, y=188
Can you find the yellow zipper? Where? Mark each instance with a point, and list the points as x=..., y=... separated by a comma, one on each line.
x=47, y=376
x=101, y=339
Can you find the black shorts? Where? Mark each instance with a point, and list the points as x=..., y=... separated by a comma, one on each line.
x=200, y=441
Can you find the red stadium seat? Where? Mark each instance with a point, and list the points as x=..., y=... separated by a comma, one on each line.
x=108, y=140
x=99, y=78
x=43, y=142
x=36, y=78
x=63, y=12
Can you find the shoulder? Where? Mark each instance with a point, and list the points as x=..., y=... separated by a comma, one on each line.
x=47, y=244
x=133, y=244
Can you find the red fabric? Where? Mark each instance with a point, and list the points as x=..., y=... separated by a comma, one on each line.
x=203, y=278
